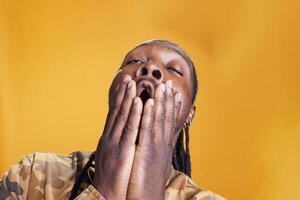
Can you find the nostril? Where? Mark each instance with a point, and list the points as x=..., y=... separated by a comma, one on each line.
x=144, y=71
x=156, y=74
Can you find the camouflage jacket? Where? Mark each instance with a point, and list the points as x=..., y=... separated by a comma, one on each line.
x=52, y=176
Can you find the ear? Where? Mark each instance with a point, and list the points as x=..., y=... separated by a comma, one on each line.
x=190, y=117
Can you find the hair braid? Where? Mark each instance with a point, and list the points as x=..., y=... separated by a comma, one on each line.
x=81, y=176
x=181, y=156
x=187, y=152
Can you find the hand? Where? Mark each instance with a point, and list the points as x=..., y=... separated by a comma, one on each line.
x=157, y=138
x=116, y=149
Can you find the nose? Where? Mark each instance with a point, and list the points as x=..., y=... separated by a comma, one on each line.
x=150, y=71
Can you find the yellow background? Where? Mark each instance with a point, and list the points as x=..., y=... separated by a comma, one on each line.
x=58, y=57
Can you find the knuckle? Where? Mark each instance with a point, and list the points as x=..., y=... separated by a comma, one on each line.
x=126, y=142
x=134, y=112
x=160, y=120
x=160, y=124
x=123, y=143
x=169, y=109
x=110, y=145
x=121, y=116
x=114, y=150
x=170, y=119
x=127, y=96
x=112, y=112
x=169, y=144
x=160, y=101
x=130, y=128
x=103, y=141
x=170, y=95
x=147, y=129
x=156, y=141
x=114, y=109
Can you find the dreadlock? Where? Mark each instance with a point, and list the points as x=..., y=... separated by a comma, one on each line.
x=181, y=156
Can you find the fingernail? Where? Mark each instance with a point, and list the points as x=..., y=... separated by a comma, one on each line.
x=170, y=84
x=178, y=97
x=126, y=79
x=151, y=102
x=135, y=100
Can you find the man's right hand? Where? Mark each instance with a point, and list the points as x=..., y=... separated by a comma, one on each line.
x=116, y=148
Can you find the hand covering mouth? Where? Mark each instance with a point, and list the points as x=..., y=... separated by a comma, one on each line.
x=145, y=90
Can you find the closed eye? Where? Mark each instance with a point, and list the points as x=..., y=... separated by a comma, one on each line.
x=134, y=61
x=175, y=70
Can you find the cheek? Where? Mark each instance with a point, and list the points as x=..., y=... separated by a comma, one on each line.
x=129, y=70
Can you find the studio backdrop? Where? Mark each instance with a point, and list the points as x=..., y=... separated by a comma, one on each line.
x=58, y=58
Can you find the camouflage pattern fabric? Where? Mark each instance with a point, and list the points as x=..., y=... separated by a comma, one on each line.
x=51, y=176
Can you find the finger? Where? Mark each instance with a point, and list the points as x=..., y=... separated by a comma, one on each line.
x=178, y=103
x=146, y=129
x=159, y=116
x=169, y=112
x=115, y=104
x=123, y=113
x=130, y=131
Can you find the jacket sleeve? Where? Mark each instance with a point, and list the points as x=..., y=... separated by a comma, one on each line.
x=25, y=180
x=89, y=193
x=14, y=183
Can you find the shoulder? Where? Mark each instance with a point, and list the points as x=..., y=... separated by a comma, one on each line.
x=39, y=173
x=67, y=159
x=182, y=187
x=56, y=162
x=49, y=168
x=54, y=159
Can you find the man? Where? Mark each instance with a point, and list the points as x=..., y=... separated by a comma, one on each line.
x=151, y=106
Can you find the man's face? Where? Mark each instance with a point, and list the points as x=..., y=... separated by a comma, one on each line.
x=152, y=64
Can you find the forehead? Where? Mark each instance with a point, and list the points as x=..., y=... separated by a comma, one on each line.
x=158, y=51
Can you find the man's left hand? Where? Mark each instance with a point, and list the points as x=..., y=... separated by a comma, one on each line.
x=157, y=138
